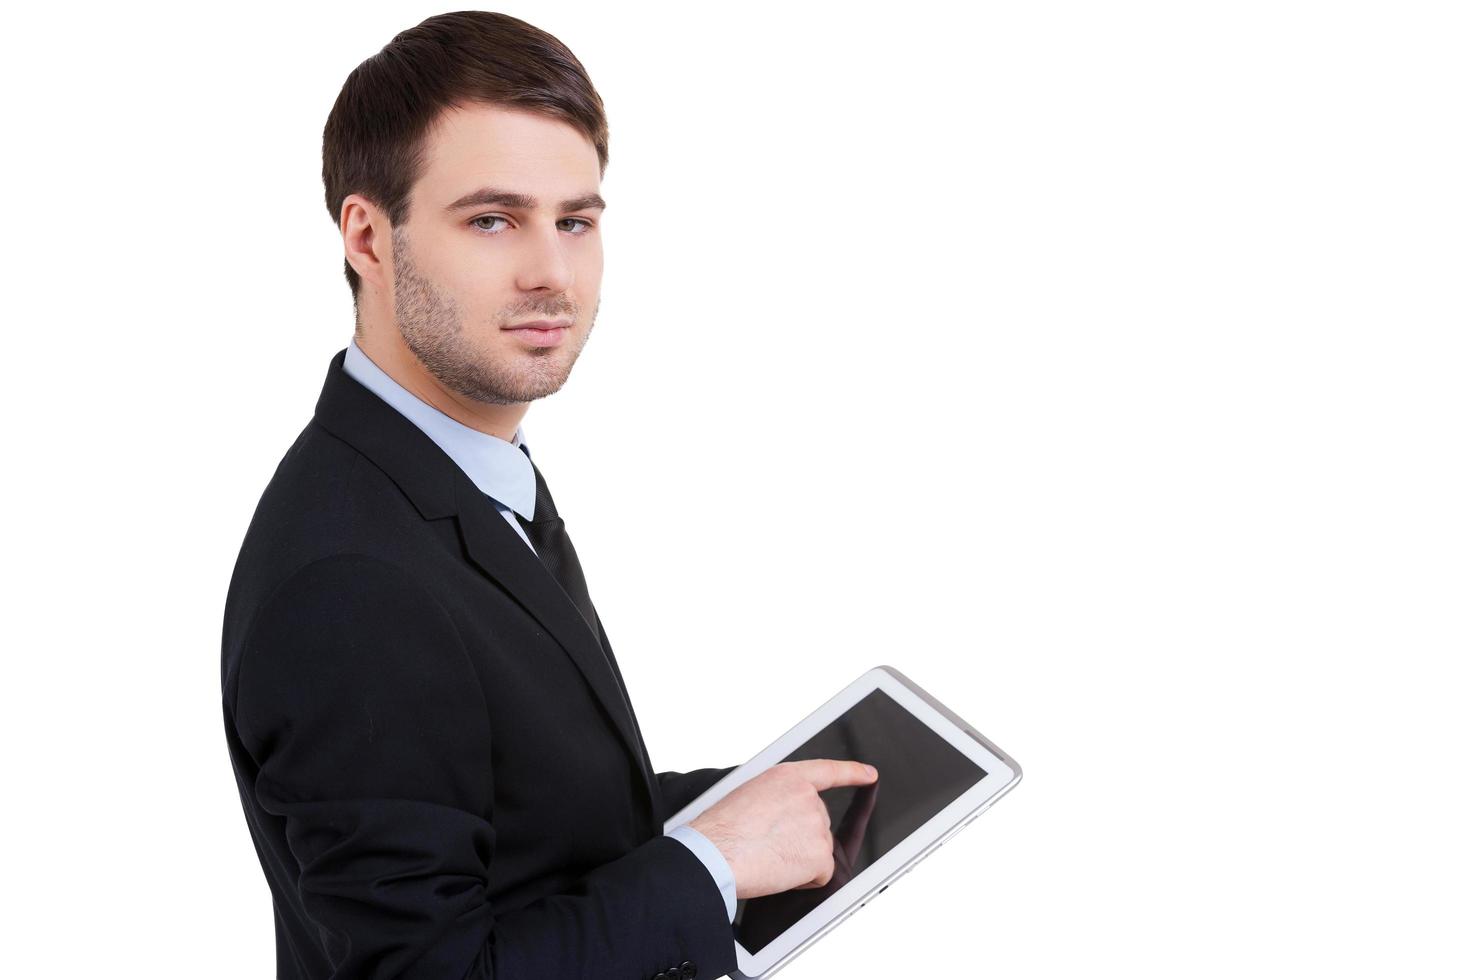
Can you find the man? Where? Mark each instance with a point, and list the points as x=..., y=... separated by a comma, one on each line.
x=437, y=757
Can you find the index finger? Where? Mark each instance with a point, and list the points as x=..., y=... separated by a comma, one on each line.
x=827, y=773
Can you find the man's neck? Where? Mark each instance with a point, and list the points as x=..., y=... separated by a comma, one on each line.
x=399, y=363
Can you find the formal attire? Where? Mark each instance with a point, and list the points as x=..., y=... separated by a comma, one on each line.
x=506, y=476
x=437, y=760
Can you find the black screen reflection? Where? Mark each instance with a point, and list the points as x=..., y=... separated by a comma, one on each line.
x=920, y=775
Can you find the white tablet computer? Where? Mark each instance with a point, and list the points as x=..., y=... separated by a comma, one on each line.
x=937, y=773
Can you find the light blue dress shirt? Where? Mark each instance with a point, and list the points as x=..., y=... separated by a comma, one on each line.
x=503, y=472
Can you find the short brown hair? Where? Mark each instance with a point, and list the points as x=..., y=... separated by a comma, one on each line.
x=373, y=143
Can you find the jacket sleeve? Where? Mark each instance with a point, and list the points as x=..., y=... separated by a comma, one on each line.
x=360, y=707
x=678, y=788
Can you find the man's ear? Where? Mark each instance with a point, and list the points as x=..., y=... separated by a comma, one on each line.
x=366, y=240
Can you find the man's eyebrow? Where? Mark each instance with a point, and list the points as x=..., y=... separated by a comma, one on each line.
x=510, y=199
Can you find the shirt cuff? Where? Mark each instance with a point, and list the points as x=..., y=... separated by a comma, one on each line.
x=715, y=862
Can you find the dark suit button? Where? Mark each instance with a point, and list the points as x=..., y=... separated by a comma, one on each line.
x=688, y=970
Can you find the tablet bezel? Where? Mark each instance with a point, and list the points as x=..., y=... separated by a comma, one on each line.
x=1002, y=774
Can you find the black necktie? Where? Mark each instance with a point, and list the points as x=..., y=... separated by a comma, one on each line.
x=550, y=539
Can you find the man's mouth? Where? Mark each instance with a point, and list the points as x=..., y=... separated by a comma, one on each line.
x=541, y=333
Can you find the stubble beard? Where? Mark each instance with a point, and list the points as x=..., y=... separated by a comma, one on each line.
x=431, y=324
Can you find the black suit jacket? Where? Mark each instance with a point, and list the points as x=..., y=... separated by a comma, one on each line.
x=434, y=761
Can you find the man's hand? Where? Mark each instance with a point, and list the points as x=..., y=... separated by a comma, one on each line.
x=774, y=829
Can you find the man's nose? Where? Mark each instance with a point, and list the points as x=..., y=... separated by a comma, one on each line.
x=543, y=262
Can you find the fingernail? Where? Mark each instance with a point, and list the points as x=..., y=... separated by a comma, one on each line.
x=873, y=772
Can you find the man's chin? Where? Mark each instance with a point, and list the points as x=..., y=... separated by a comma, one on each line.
x=518, y=394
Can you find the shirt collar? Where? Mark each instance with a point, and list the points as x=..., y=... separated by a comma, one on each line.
x=502, y=470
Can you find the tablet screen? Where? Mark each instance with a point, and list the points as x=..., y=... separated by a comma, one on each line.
x=920, y=775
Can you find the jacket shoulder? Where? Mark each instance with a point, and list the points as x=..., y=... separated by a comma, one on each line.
x=325, y=499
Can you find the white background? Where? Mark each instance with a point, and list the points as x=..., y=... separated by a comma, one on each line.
x=1105, y=367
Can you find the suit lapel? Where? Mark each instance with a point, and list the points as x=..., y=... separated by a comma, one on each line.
x=505, y=557
x=438, y=488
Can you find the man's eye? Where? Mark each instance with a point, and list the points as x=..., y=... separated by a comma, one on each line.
x=584, y=225
x=486, y=217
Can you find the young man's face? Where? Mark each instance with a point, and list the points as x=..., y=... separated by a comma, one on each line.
x=468, y=267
